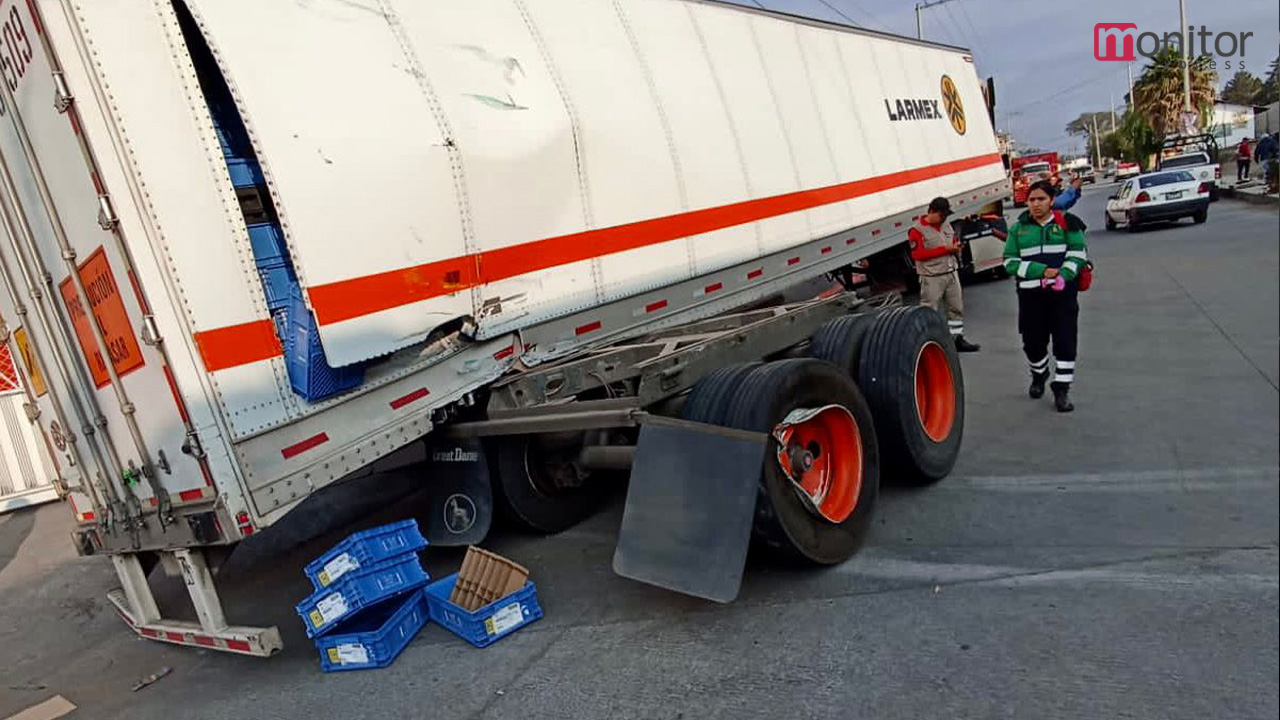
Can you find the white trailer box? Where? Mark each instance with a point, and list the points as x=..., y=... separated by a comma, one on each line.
x=452, y=188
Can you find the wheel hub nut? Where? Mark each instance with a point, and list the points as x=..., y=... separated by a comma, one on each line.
x=801, y=459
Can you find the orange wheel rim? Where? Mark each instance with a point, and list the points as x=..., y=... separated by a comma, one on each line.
x=820, y=450
x=935, y=392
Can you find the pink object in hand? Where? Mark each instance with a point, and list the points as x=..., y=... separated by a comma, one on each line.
x=1054, y=283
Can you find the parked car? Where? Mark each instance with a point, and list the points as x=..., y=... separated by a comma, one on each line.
x=1197, y=163
x=1087, y=174
x=1125, y=170
x=1158, y=196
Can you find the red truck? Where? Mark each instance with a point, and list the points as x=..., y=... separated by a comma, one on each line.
x=1028, y=169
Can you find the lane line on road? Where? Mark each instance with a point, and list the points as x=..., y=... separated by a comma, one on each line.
x=54, y=707
x=1122, y=481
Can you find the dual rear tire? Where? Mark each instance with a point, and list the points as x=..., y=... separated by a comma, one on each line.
x=881, y=397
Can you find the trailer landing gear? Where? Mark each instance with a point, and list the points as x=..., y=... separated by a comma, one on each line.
x=137, y=606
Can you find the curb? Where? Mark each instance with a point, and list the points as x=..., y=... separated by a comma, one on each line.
x=1252, y=198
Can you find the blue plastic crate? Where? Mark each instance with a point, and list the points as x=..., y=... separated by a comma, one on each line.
x=488, y=624
x=231, y=136
x=309, y=371
x=373, y=638
x=267, y=240
x=365, y=548
x=358, y=590
x=279, y=285
x=244, y=172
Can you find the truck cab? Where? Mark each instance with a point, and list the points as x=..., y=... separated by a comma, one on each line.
x=1030, y=169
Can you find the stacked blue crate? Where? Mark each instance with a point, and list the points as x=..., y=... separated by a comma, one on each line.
x=368, y=603
x=309, y=371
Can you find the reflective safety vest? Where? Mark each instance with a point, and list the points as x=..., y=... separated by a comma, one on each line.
x=1032, y=248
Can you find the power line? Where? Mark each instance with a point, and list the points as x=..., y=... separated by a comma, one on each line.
x=836, y=10
x=956, y=31
x=969, y=20
x=867, y=13
x=1060, y=93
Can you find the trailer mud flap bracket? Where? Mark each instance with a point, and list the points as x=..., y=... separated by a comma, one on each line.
x=690, y=505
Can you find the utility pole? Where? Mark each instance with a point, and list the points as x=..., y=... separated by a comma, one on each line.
x=1097, y=146
x=1129, y=68
x=920, y=17
x=1113, y=112
x=1187, y=49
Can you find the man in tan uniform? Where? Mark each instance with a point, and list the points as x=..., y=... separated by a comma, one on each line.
x=936, y=252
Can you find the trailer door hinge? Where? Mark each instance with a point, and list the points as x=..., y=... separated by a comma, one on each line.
x=62, y=97
x=107, y=219
x=191, y=445
x=150, y=331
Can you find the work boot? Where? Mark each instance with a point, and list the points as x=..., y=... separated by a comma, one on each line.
x=1036, y=391
x=1060, y=399
x=963, y=345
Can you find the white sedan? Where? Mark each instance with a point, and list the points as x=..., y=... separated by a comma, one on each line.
x=1156, y=197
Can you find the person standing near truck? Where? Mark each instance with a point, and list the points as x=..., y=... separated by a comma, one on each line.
x=1045, y=251
x=1244, y=155
x=936, y=252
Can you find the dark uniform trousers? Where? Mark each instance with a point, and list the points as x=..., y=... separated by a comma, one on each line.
x=1045, y=315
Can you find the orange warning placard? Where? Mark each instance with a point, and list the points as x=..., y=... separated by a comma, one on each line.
x=108, y=308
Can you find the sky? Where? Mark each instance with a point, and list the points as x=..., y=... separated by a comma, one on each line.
x=1040, y=52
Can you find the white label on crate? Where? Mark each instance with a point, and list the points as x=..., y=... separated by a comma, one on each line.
x=329, y=609
x=353, y=653
x=505, y=619
x=338, y=567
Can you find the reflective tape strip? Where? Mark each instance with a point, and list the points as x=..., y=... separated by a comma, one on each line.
x=957, y=330
x=1022, y=270
x=1053, y=249
x=1064, y=377
x=1065, y=364
x=1078, y=254
x=1029, y=284
x=355, y=297
x=1028, y=252
x=1040, y=364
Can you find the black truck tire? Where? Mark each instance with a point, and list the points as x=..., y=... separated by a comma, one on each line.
x=525, y=491
x=784, y=523
x=708, y=401
x=910, y=374
x=840, y=341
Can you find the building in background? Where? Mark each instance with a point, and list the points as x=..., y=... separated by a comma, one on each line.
x=1229, y=124
x=26, y=472
x=1266, y=121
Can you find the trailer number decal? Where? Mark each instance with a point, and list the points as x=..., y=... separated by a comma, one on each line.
x=108, y=310
x=15, y=49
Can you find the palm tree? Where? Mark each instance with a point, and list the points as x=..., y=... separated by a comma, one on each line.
x=1135, y=140
x=1157, y=94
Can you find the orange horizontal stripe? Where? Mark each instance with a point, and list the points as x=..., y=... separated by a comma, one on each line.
x=236, y=345
x=347, y=299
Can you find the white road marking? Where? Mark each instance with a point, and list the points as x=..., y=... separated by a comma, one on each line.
x=1122, y=481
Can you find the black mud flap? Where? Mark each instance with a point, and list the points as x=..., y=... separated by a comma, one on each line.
x=460, y=509
x=690, y=504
